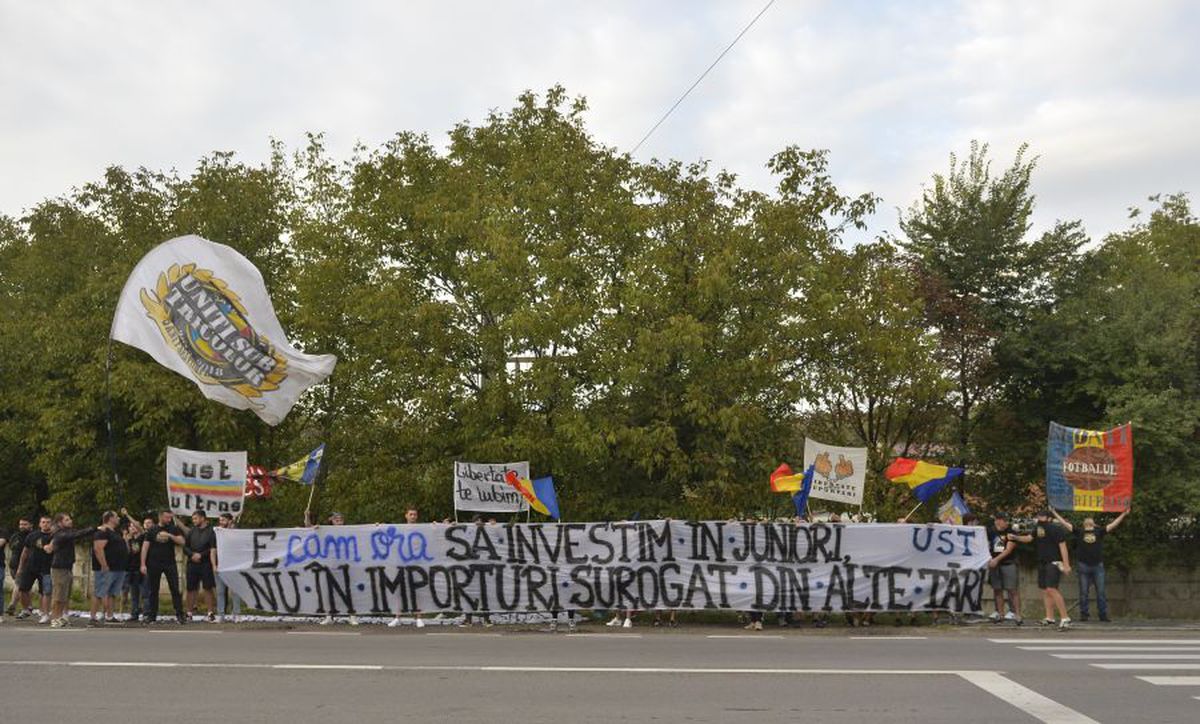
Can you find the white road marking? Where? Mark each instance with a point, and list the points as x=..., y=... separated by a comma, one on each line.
x=324, y=633
x=463, y=633
x=604, y=636
x=330, y=667
x=172, y=631
x=1134, y=667
x=1131, y=657
x=1172, y=680
x=888, y=638
x=1025, y=699
x=494, y=669
x=1163, y=649
x=744, y=636
x=1164, y=642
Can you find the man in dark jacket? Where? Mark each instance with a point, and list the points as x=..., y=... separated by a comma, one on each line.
x=158, y=560
x=16, y=545
x=62, y=565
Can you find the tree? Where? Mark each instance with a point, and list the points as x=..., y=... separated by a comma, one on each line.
x=980, y=274
x=873, y=376
x=1123, y=346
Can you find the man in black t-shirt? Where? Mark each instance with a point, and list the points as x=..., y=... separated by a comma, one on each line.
x=110, y=558
x=1089, y=560
x=4, y=534
x=200, y=548
x=158, y=560
x=34, y=567
x=1053, y=562
x=16, y=545
x=1002, y=570
x=136, y=582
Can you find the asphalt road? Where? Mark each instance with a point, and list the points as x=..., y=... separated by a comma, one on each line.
x=205, y=673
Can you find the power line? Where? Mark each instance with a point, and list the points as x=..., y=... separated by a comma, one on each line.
x=702, y=75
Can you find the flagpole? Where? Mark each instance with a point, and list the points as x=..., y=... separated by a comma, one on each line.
x=918, y=505
x=308, y=507
x=112, y=445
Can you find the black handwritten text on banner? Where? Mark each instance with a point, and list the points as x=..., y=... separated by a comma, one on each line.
x=638, y=565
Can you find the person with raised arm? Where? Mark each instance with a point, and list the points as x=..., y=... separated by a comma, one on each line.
x=1089, y=560
x=62, y=564
x=1054, y=562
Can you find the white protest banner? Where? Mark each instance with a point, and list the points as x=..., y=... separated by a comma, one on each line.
x=839, y=473
x=214, y=482
x=642, y=565
x=481, y=487
x=202, y=310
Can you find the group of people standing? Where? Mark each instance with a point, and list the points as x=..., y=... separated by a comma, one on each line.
x=1051, y=539
x=131, y=559
x=129, y=562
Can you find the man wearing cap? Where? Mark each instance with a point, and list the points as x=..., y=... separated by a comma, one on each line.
x=1002, y=570
x=1089, y=559
x=1053, y=562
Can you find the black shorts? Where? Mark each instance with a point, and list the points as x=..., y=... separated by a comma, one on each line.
x=1049, y=575
x=26, y=580
x=200, y=574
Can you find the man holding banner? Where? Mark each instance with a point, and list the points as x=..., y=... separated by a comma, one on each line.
x=1089, y=559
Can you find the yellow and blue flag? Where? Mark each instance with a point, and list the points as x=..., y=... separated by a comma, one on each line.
x=304, y=470
x=924, y=479
x=952, y=511
x=539, y=493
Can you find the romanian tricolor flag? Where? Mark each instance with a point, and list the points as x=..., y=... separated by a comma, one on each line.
x=924, y=479
x=539, y=493
x=783, y=480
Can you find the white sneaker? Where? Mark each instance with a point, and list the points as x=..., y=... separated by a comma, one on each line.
x=1064, y=624
x=353, y=620
x=56, y=623
x=439, y=617
x=420, y=623
x=571, y=624
x=628, y=623
x=1010, y=616
x=615, y=622
x=45, y=619
x=233, y=619
x=994, y=617
x=394, y=622
x=327, y=621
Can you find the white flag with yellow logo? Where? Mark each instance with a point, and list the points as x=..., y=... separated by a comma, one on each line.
x=202, y=309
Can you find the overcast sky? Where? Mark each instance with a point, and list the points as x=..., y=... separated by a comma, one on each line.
x=1106, y=93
